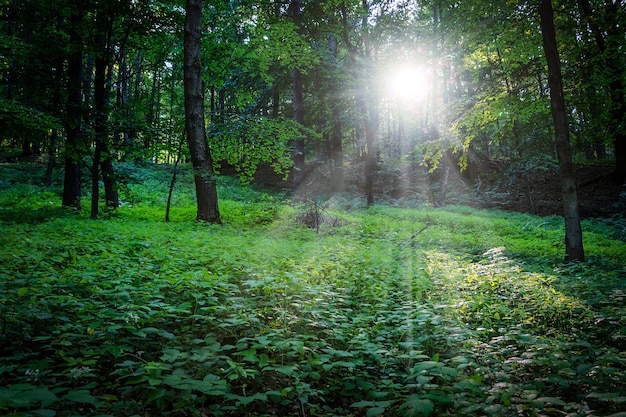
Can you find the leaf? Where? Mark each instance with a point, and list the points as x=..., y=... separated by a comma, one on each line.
x=137, y=379
x=375, y=411
x=22, y=291
x=80, y=396
x=40, y=395
x=363, y=404
x=285, y=370
x=551, y=400
x=417, y=406
x=422, y=366
x=45, y=412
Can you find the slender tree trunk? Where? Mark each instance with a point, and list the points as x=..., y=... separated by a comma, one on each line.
x=109, y=179
x=573, y=232
x=100, y=119
x=71, y=183
x=298, y=108
x=52, y=149
x=102, y=157
x=298, y=116
x=206, y=187
x=122, y=99
x=614, y=68
x=336, y=146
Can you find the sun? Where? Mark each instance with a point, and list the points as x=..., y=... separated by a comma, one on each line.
x=409, y=82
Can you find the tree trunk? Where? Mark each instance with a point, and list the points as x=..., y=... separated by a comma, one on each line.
x=206, y=187
x=298, y=108
x=298, y=143
x=111, y=196
x=52, y=149
x=71, y=182
x=369, y=118
x=573, y=232
x=614, y=70
x=336, y=147
x=102, y=160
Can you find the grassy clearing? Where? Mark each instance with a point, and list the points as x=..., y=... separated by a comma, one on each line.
x=395, y=312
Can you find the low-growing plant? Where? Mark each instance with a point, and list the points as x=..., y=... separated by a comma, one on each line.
x=393, y=311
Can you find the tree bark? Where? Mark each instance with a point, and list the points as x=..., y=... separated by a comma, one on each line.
x=298, y=116
x=71, y=182
x=614, y=70
x=573, y=232
x=298, y=108
x=206, y=187
x=336, y=147
x=102, y=160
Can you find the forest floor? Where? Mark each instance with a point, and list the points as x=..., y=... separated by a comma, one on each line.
x=398, y=309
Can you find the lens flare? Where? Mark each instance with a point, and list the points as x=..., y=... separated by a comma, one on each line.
x=409, y=82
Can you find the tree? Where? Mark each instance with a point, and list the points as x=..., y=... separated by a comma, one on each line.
x=71, y=184
x=359, y=52
x=204, y=176
x=609, y=39
x=298, y=105
x=573, y=232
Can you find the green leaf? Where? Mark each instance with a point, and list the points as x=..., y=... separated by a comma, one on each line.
x=285, y=369
x=22, y=291
x=551, y=400
x=45, y=412
x=363, y=404
x=41, y=395
x=375, y=411
x=137, y=379
x=80, y=396
x=416, y=406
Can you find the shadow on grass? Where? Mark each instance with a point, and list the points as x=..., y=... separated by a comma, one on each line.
x=21, y=215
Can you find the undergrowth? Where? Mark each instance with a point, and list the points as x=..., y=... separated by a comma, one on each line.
x=383, y=311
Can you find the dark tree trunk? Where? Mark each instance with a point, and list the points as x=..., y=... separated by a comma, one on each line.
x=298, y=143
x=109, y=179
x=102, y=159
x=206, y=187
x=614, y=68
x=26, y=151
x=99, y=119
x=573, y=232
x=298, y=108
x=52, y=149
x=336, y=146
x=71, y=183
x=124, y=80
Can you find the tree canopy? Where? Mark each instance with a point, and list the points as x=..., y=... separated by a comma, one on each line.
x=444, y=85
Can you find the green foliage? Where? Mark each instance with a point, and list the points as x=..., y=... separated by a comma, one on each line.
x=395, y=312
x=250, y=142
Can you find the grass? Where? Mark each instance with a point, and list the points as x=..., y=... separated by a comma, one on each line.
x=395, y=312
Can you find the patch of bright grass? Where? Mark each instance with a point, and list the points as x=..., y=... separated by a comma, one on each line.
x=399, y=312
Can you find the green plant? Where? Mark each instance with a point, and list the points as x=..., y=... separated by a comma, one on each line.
x=400, y=312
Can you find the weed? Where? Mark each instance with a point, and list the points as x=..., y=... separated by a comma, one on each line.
x=396, y=312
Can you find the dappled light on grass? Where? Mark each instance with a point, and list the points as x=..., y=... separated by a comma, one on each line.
x=400, y=312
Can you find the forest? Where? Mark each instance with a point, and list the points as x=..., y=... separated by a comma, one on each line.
x=313, y=208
